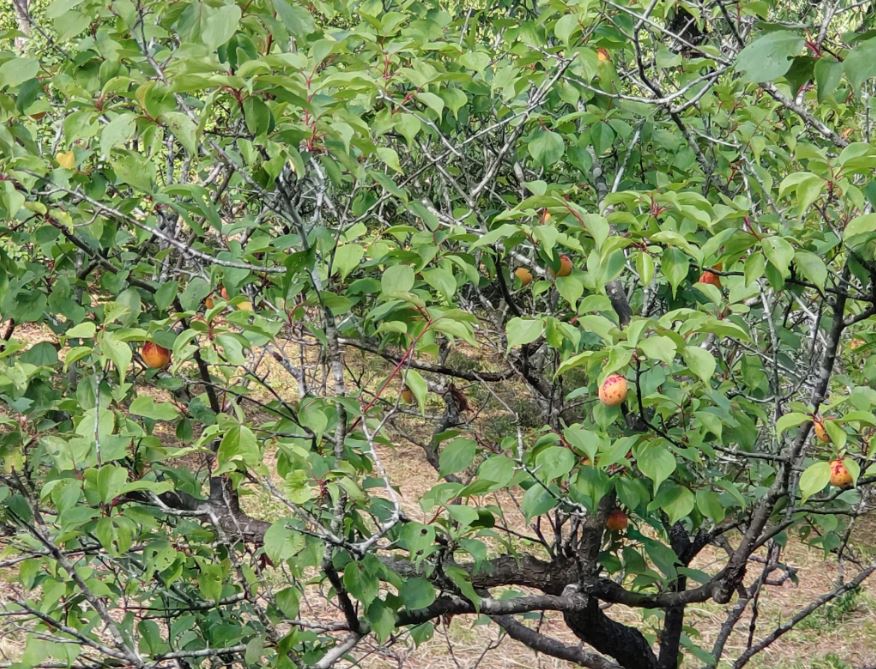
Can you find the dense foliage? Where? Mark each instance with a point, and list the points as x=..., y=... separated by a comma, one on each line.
x=355, y=226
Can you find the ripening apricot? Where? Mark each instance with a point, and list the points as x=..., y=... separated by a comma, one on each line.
x=565, y=266
x=407, y=395
x=820, y=430
x=710, y=278
x=840, y=476
x=523, y=275
x=616, y=521
x=209, y=302
x=613, y=390
x=155, y=356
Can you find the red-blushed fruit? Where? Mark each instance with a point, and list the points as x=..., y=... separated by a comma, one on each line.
x=613, y=390
x=820, y=431
x=545, y=217
x=840, y=476
x=616, y=521
x=856, y=343
x=155, y=356
x=565, y=266
x=407, y=396
x=523, y=275
x=710, y=278
x=602, y=55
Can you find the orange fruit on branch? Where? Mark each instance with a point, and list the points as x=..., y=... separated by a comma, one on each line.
x=613, y=390
x=840, y=476
x=155, y=356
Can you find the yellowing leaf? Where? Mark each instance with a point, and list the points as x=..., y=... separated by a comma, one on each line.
x=66, y=159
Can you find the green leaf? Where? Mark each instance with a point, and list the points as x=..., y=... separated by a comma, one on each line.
x=675, y=500
x=116, y=351
x=645, y=267
x=110, y=482
x=564, y=28
x=456, y=456
x=462, y=580
x=390, y=158
x=397, y=279
x=547, y=148
x=520, y=331
x=860, y=62
x=360, y=583
x=814, y=479
x=455, y=328
x=602, y=137
x=417, y=593
x=811, y=267
x=709, y=504
x=12, y=199
x=860, y=225
x=238, y=445
x=807, y=188
x=144, y=405
x=854, y=469
x=656, y=462
x=18, y=70
x=418, y=386
x=258, y=117
x=658, y=348
x=779, y=252
x=571, y=289
x=432, y=101
x=674, y=265
x=42, y=353
x=131, y=169
x=582, y=440
x=498, y=469
x=347, y=258
x=183, y=128
x=282, y=542
x=118, y=131
x=196, y=291
x=598, y=325
x=554, y=462
x=754, y=268
x=789, y=420
x=828, y=73
x=537, y=501
x=85, y=330
x=442, y=280
x=700, y=362
x=769, y=56
x=296, y=18
x=220, y=25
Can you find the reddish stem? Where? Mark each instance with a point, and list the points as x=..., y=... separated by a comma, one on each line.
x=392, y=374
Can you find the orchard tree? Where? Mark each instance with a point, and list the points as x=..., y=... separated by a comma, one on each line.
x=610, y=265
